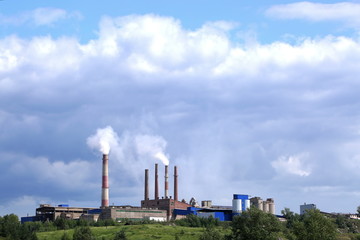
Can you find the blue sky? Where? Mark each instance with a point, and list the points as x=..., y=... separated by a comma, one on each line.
x=256, y=97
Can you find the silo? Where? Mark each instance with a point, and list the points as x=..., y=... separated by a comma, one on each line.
x=247, y=204
x=266, y=206
x=257, y=202
x=271, y=205
x=237, y=204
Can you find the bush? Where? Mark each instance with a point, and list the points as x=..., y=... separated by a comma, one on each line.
x=210, y=234
x=83, y=233
x=192, y=220
x=120, y=235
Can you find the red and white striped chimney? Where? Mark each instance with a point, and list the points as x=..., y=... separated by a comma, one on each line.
x=105, y=181
x=166, y=181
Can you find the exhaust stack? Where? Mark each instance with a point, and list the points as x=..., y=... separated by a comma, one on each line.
x=146, y=194
x=156, y=182
x=105, y=181
x=175, y=184
x=166, y=182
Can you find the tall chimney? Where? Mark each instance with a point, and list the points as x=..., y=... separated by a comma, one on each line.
x=166, y=182
x=146, y=195
x=156, y=182
x=105, y=181
x=175, y=184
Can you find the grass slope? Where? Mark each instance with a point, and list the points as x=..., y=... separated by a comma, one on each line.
x=134, y=232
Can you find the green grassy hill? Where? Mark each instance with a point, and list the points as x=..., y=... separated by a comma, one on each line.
x=134, y=232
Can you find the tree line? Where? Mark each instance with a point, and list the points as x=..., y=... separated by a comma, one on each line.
x=252, y=224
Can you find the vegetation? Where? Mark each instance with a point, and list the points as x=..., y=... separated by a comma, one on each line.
x=120, y=235
x=251, y=224
x=195, y=221
x=314, y=225
x=83, y=233
x=254, y=224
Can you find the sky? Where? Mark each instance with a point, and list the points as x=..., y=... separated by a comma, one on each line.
x=247, y=97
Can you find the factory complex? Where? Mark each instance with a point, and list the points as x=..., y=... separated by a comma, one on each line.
x=165, y=208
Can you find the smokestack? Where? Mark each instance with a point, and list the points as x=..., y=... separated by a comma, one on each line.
x=105, y=181
x=156, y=182
x=166, y=182
x=175, y=184
x=146, y=197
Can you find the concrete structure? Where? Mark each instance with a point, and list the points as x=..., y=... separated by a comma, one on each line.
x=46, y=212
x=305, y=207
x=121, y=213
x=267, y=206
x=271, y=203
x=146, y=193
x=166, y=192
x=175, y=184
x=257, y=202
x=156, y=182
x=105, y=182
x=206, y=204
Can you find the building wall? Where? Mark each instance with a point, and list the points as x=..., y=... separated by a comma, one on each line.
x=47, y=212
x=133, y=213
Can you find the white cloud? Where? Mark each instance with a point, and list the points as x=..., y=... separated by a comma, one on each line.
x=223, y=107
x=294, y=165
x=343, y=11
x=39, y=17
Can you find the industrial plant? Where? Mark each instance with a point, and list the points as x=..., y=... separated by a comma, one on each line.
x=165, y=208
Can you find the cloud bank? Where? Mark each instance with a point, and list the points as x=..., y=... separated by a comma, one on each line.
x=231, y=110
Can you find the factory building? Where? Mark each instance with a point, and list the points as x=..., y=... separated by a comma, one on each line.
x=46, y=212
x=165, y=208
x=240, y=203
x=166, y=202
x=121, y=213
x=305, y=207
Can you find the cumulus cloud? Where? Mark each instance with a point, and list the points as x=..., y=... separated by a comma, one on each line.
x=234, y=111
x=292, y=165
x=343, y=11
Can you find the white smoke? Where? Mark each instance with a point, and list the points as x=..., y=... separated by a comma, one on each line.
x=152, y=145
x=103, y=140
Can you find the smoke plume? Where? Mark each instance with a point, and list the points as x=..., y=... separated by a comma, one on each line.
x=153, y=146
x=103, y=140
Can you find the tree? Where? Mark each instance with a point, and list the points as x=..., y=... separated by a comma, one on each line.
x=83, y=233
x=358, y=209
x=314, y=225
x=11, y=227
x=120, y=235
x=290, y=217
x=254, y=224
